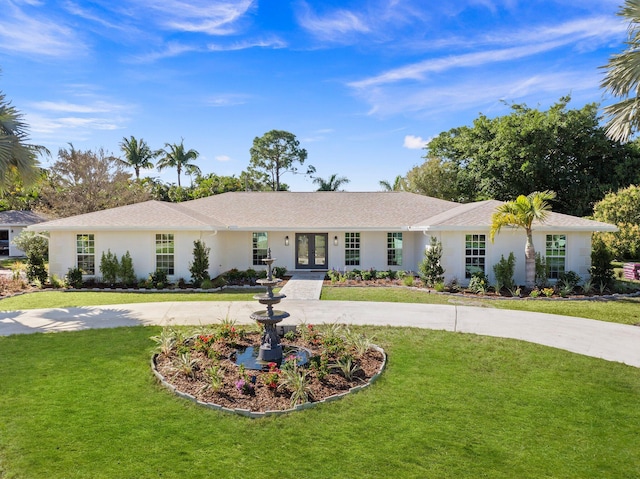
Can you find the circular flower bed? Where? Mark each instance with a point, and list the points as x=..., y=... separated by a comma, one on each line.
x=200, y=365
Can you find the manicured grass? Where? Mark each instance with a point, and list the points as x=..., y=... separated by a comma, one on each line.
x=63, y=299
x=387, y=294
x=622, y=310
x=85, y=405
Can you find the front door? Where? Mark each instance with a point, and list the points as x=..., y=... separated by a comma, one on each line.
x=311, y=250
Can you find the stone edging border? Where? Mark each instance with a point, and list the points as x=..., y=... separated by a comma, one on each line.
x=257, y=414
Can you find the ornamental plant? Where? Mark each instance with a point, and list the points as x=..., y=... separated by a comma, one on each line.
x=430, y=269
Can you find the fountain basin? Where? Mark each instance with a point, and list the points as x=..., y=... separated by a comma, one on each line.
x=269, y=317
x=249, y=357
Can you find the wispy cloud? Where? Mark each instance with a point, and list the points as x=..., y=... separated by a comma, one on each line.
x=414, y=142
x=228, y=99
x=246, y=44
x=204, y=16
x=26, y=31
x=334, y=26
x=318, y=135
x=76, y=120
x=223, y=158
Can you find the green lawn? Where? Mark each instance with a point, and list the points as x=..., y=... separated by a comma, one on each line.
x=64, y=299
x=622, y=310
x=85, y=405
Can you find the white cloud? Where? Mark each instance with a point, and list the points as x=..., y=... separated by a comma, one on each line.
x=36, y=35
x=533, y=42
x=64, y=106
x=334, y=26
x=230, y=99
x=223, y=158
x=414, y=142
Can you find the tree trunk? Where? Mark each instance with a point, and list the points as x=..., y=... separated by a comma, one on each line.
x=530, y=261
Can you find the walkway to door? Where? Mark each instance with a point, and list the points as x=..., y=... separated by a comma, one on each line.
x=304, y=285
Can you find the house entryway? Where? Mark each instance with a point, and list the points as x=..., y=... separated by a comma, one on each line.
x=305, y=285
x=311, y=250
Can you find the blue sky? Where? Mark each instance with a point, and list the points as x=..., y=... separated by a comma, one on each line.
x=362, y=84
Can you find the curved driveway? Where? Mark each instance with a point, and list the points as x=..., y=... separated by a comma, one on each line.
x=610, y=341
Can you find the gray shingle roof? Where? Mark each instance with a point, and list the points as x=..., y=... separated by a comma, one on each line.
x=20, y=218
x=268, y=211
x=150, y=215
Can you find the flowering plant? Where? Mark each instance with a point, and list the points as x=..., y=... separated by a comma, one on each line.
x=272, y=377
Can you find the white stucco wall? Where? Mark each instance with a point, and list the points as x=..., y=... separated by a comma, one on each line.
x=578, y=251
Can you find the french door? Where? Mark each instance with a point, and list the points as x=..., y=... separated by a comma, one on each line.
x=311, y=250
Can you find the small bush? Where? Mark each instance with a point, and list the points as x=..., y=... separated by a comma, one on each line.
x=541, y=271
x=36, y=269
x=74, y=278
x=430, y=269
x=206, y=284
x=504, y=270
x=408, y=280
x=279, y=271
x=109, y=267
x=127, y=274
x=199, y=268
x=158, y=279
x=439, y=286
x=478, y=283
x=601, y=269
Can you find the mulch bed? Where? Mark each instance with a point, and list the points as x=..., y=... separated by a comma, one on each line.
x=262, y=398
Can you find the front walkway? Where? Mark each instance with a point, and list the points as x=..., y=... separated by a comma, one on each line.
x=305, y=285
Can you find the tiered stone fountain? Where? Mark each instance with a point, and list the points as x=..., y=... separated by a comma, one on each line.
x=270, y=347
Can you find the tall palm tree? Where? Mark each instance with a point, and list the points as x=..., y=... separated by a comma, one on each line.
x=399, y=184
x=137, y=154
x=176, y=157
x=16, y=156
x=521, y=213
x=622, y=79
x=332, y=184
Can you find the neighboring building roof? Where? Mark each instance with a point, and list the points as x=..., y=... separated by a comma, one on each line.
x=478, y=215
x=150, y=215
x=20, y=218
x=316, y=211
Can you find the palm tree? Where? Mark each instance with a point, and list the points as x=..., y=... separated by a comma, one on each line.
x=177, y=158
x=399, y=184
x=622, y=79
x=332, y=184
x=521, y=213
x=137, y=154
x=16, y=156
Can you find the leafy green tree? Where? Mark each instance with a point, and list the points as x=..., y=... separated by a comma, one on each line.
x=137, y=154
x=126, y=272
x=622, y=209
x=176, y=157
x=436, y=177
x=32, y=243
x=430, y=268
x=521, y=213
x=86, y=181
x=399, y=184
x=16, y=154
x=213, y=184
x=561, y=150
x=333, y=183
x=623, y=77
x=275, y=153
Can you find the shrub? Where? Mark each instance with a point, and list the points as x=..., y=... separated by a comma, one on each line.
x=568, y=280
x=541, y=271
x=36, y=269
x=56, y=282
x=199, y=268
x=439, y=286
x=206, y=284
x=74, y=278
x=158, y=279
x=408, y=280
x=601, y=270
x=504, y=270
x=279, y=271
x=109, y=267
x=366, y=275
x=430, y=269
x=32, y=243
x=478, y=283
x=127, y=273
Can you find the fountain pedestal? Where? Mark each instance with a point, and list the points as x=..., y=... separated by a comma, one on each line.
x=270, y=347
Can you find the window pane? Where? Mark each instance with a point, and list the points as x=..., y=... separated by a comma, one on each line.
x=259, y=248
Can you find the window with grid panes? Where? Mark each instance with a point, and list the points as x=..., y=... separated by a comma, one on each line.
x=475, y=248
x=259, y=248
x=352, y=249
x=555, y=255
x=394, y=249
x=85, y=253
x=165, y=247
